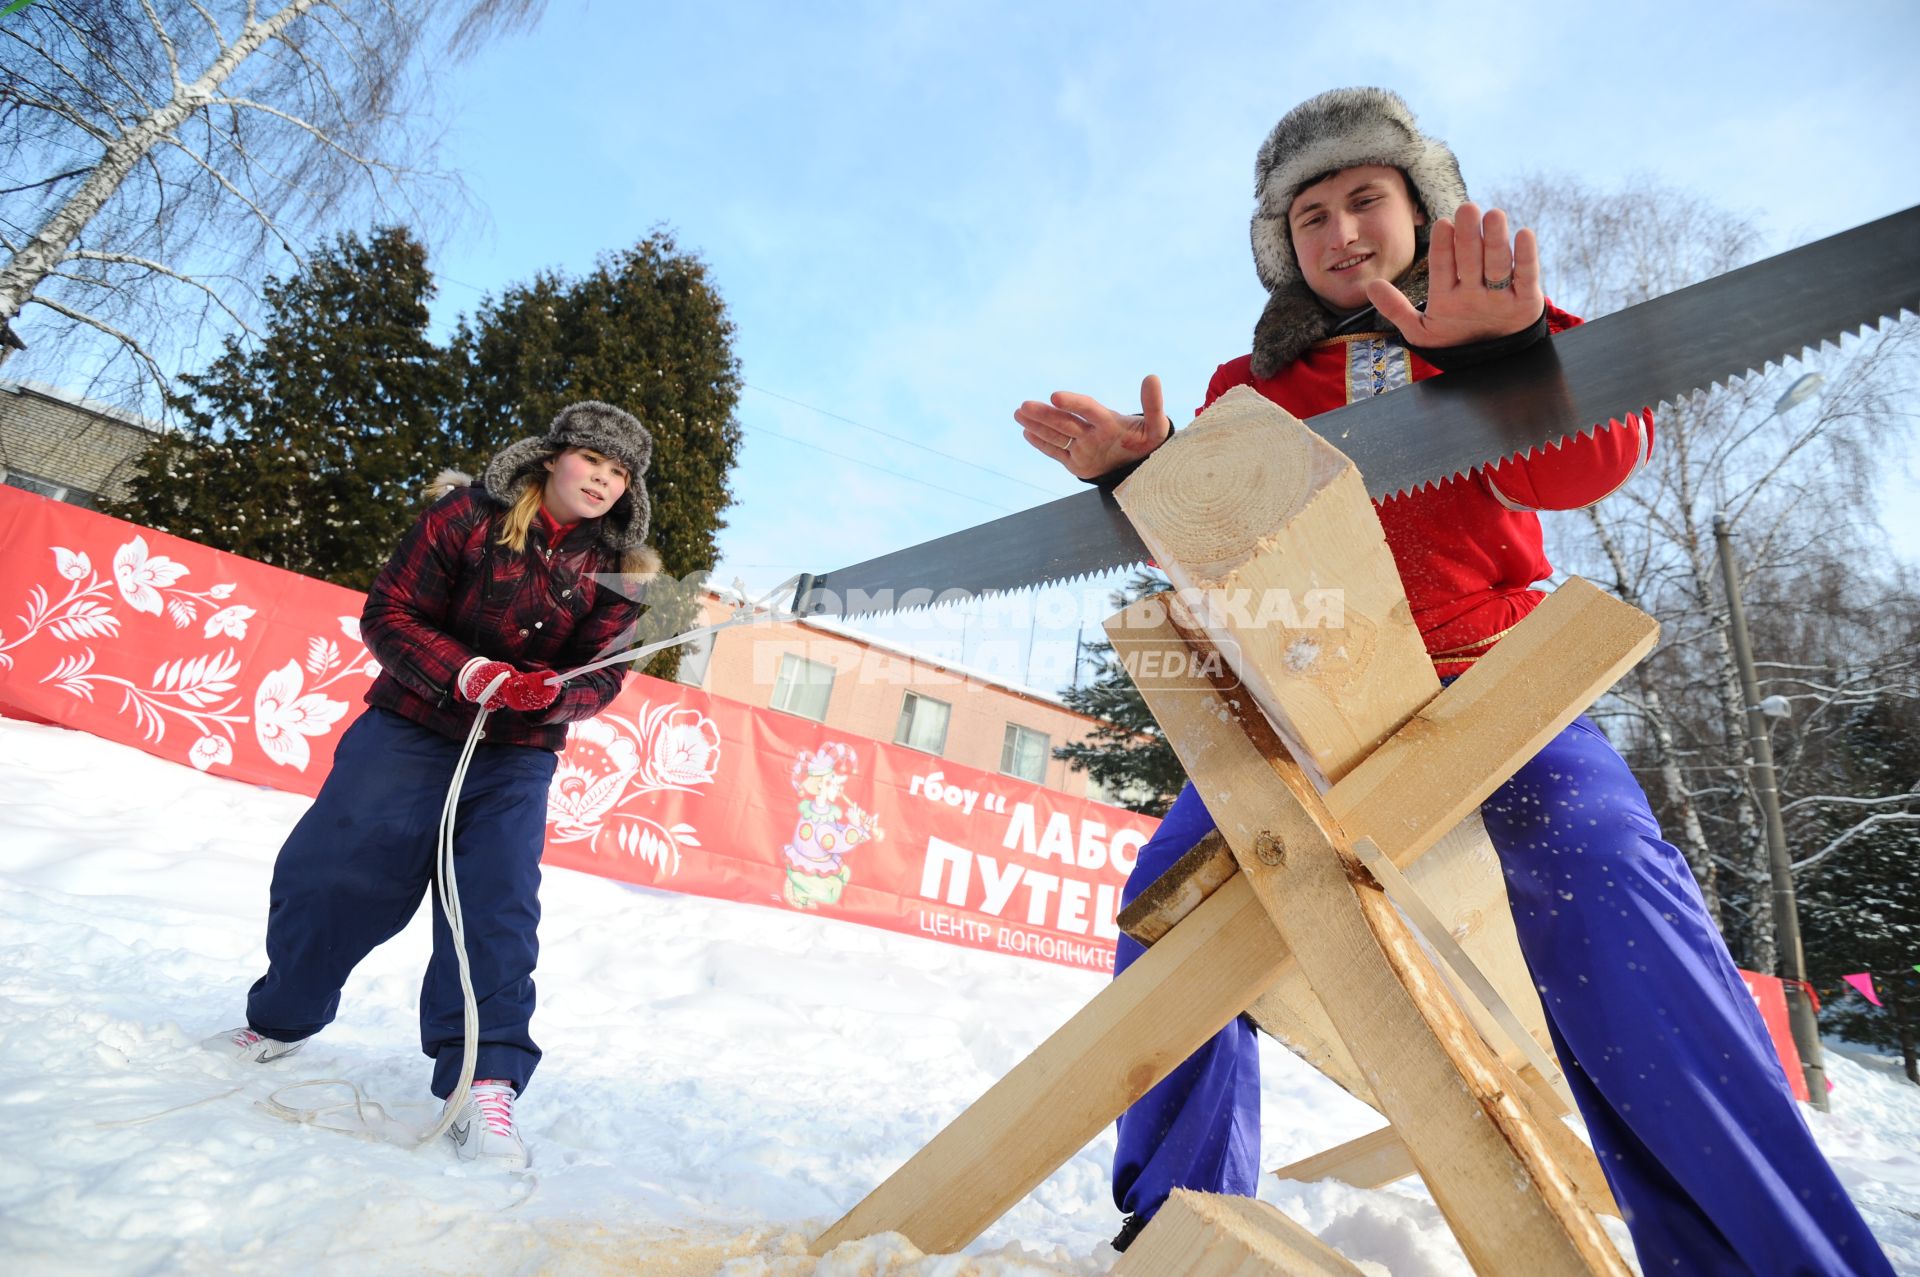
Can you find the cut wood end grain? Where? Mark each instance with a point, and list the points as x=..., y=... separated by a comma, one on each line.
x=1244, y=467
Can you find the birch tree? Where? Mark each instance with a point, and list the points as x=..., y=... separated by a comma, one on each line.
x=1795, y=477
x=161, y=154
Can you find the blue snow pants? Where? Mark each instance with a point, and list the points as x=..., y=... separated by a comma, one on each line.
x=351, y=875
x=1669, y=1061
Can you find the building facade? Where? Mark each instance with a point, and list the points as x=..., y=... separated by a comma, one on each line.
x=868, y=688
x=68, y=448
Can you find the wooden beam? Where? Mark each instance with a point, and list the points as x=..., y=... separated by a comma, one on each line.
x=1283, y=573
x=1414, y=791
x=1211, y=1235
x=1132, y=1034
x=1373, y=1160
x=1250, y=514
x=1381, y=1157
x=1179, y=891
x=1460, y=876
x=1553, y=666
x=1267, y=533
x=1465, y=1116
x=1458, y=748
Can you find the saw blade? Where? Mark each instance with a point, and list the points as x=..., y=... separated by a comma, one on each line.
x=1081, y=535
x=1659, y=352
x=1443, y=428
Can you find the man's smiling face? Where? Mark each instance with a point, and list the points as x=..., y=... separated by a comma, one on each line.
x=1356, y=225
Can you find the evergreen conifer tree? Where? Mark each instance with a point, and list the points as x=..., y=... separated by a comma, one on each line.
x=1126, y=754
x=1860, y=906
x=645, y=331
x=308, y=449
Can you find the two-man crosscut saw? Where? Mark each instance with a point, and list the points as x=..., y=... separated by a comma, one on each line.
x=1443, y=427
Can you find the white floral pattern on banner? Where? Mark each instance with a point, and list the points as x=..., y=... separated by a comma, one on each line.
x=209, y=750
x=612, y=761
x=188, y=688
x=101, y=615
x=140, y=575
x=82, y=614
x=231, y=621
x=145, y=579
x=283, y=717
x=323, y=656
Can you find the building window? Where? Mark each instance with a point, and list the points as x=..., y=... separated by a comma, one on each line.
x=34, y=484
x=923, y=723
x=1024, y=752
x=803, y=687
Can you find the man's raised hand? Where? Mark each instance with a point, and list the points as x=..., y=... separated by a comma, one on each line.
x=1481, y=283
x=1089, y=438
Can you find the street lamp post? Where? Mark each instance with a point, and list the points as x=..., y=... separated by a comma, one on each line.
x=1786, y=911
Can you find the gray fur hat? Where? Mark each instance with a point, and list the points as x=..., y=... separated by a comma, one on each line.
x=586, y=424
x=1342, y=128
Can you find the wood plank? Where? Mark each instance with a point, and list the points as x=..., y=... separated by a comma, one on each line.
x=1132, y=1034
x=1464, y=744
x=1267, y=534
x=1546, y=673
x=1283, y=571
x=1460, y=876
x=1373, y=1160
x=1381, y=1157
x=1542, y=676
x=1464, y=1115
x=1212, y=1235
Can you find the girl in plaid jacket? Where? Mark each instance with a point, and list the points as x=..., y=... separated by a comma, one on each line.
x=492, y=590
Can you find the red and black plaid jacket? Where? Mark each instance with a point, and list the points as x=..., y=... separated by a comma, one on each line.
x=450, y=594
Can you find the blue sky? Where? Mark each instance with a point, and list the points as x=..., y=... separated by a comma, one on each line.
x=922, y=213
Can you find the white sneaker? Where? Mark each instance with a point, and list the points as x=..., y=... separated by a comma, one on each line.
x=484, y=1129
x=250, y=1047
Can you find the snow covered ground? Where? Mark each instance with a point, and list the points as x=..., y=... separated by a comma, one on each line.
x=721, y=1082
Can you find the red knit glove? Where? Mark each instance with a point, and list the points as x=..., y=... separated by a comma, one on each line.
x=535, y=689
x=477, y=673
x=532, y=690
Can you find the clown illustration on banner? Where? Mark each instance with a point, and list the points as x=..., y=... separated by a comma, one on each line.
x=824, y=834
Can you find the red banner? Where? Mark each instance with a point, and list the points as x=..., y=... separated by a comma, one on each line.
x=1770, y=995
x=249, y=671
x=675, y=788
x=189, y=653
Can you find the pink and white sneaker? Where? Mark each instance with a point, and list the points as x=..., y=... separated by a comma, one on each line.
x=484, y=1129
x=249, y=1047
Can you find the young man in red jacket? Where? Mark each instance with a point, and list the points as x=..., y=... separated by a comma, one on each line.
x=1379, y=272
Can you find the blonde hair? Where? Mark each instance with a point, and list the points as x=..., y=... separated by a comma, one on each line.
x=518, y=522
x=520, y=515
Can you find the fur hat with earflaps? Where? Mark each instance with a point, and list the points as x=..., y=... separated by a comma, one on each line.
x=1340, y=129
x=606, y=430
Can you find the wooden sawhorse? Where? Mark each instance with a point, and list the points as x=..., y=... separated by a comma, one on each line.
x=1288, y=674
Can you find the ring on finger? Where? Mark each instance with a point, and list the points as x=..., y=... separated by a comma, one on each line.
x=1067, y=446
x=1498, y=285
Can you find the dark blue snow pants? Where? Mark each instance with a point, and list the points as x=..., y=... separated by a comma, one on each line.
x=352, y=873
x=1672, y=1068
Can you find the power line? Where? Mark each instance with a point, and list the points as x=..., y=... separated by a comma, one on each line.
x=862, y=461
x=911, y=443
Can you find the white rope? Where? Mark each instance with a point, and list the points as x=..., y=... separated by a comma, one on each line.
x=742, y=615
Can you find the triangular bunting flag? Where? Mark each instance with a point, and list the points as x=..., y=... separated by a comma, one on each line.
x=1864, y=983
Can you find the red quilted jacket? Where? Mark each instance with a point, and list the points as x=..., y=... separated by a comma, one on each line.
x=449, y=594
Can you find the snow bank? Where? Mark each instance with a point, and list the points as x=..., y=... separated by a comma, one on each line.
x=721, y=1081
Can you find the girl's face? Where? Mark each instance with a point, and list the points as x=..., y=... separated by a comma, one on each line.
x=582, y=484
